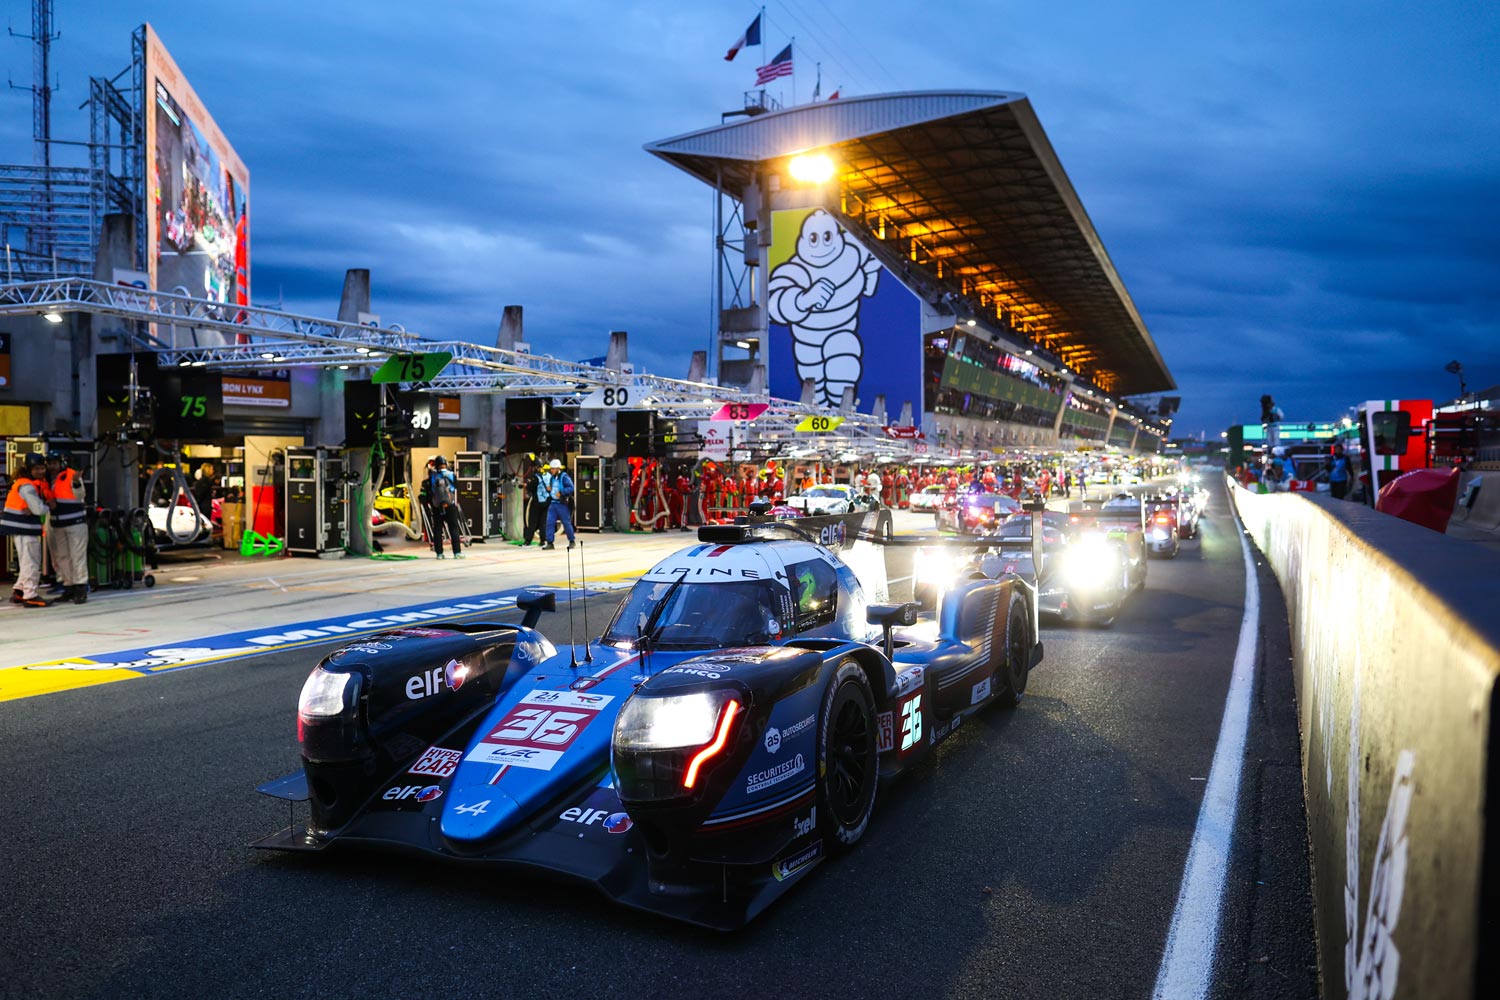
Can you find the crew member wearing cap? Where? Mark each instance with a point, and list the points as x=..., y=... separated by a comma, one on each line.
x=26, y=504
x=556, y=491
x=67, y=534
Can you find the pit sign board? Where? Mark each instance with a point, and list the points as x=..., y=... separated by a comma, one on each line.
x=740, y=411
x=412, y=367
x=614, y=397
x=819, y=425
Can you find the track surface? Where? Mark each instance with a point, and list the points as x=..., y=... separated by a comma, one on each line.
x=1039, y=855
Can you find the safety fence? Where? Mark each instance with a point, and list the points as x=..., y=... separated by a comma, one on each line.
x=1395, y=634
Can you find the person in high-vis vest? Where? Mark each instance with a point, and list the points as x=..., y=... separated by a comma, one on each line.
x=26, y=504
x=67, y=532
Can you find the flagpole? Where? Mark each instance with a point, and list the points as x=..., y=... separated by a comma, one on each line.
x=791, y=51
x=763, y=52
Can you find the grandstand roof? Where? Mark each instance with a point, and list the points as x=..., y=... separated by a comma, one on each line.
x=969, y=188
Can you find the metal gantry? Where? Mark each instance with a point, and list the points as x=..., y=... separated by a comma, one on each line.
x=277, y=339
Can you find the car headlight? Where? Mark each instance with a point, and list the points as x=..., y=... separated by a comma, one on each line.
x=662, y=743
x=936, y=567
x=327, y=694
x=1090, y=566
x=671, y=722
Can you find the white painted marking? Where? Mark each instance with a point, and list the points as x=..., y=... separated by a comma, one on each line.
x=1187, y=965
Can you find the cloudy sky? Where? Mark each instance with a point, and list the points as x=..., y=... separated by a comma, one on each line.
x=1303, y=197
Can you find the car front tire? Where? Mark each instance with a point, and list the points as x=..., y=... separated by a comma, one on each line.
x=848, y=757
x=1011, y=677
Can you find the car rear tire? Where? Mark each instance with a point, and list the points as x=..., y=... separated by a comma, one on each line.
x=848, y=757
x=1011, y=677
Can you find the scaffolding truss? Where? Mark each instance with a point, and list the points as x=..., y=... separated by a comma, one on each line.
x=276, y=339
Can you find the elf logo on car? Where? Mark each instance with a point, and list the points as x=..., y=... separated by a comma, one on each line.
x=430, y=682
x=439, y=762
x=421, y=793
x=584, y=816
x=833, y=534
x=802, y=827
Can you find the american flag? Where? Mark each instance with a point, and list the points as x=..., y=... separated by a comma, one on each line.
x=778, y=67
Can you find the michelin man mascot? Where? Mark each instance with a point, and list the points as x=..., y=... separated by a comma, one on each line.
x=816, y=293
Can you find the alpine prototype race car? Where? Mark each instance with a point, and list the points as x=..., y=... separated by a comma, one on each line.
x=726, y=733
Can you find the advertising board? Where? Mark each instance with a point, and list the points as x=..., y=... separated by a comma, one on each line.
x=838, y=317
x=198, y=191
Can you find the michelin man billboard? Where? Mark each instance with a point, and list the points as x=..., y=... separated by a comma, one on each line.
x=838, y=317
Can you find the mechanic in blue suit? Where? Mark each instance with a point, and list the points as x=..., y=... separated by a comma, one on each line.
x=556, y=491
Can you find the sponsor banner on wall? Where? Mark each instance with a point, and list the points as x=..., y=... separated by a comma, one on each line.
x=838, y=317
x=715, y=440
x=450, y=408
x=261, y=389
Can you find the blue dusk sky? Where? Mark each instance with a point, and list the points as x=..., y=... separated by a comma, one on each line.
x=1302, y=197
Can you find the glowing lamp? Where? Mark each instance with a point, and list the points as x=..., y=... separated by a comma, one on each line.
x=812, y=168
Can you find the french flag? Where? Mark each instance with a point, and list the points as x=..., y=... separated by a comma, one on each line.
x=750, y=37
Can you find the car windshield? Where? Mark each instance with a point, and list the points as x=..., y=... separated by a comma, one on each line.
x=824, y=491
x=701, y=615
x=997, y=500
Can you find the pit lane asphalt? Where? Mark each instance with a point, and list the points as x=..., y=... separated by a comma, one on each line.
x=1039, y=854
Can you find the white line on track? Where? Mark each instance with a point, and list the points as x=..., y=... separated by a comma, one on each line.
x=1187, y=965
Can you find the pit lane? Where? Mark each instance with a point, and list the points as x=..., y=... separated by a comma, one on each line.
x=1039, y=854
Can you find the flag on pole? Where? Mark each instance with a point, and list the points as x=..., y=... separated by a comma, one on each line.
x=778, y=67
x=833, y=96
x=750, y=37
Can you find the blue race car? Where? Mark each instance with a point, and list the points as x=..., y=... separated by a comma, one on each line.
x=726, y=733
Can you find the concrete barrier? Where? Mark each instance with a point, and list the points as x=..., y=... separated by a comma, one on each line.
x=1396, y=646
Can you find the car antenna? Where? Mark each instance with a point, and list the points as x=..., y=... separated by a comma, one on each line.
x=572, y=646
x=583, y=585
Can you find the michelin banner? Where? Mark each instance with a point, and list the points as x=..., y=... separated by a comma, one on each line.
x=838, y=317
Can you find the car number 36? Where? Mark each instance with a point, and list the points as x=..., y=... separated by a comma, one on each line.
x=540, y=725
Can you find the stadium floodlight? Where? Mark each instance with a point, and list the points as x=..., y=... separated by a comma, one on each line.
x=743, y=345
x=812, y=168
x=973, y=322
x=267, y=356
x=52, y=317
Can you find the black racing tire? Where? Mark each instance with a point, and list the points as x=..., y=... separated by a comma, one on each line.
x=1013, y=672
x=848, y=757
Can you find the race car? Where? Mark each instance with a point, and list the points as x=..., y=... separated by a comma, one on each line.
x=927, y=498
x=828, y=500
x=1087, y=571
x=975, y=513
x=394, y=503
x=727, y=732
x=1157, y=517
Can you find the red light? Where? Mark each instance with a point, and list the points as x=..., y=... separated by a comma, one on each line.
x=707, y=753
x=1163, y=519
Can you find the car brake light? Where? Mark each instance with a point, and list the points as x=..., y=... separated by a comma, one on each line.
x=1163, y=519
x=726, y=720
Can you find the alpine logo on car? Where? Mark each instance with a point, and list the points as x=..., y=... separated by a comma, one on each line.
x=785, y=868
x=450, y=677
x=760, y=780
x=421, y=793
x=439, y=762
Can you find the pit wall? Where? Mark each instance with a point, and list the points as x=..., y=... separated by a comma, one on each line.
x=1396, y=646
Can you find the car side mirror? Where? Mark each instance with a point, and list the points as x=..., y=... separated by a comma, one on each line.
x=534, y=603
x=888, y=616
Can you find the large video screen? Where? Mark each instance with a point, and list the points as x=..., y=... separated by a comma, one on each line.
x=198, y=191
